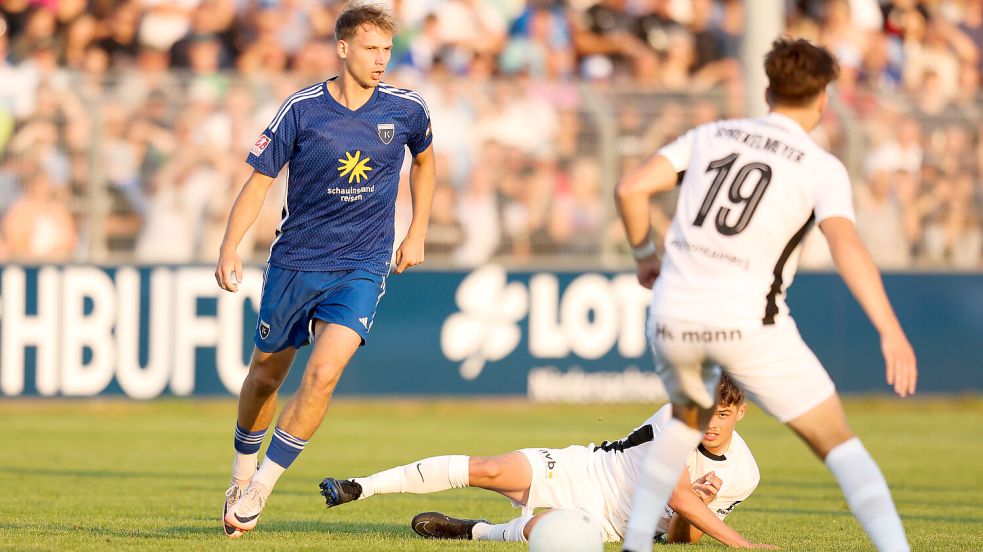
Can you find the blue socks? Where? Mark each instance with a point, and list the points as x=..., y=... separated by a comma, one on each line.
x=248, y=442
x=284, y=448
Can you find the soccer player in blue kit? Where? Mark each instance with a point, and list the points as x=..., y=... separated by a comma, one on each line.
x=344, y=141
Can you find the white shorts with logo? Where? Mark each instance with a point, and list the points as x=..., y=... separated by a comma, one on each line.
x=771, y=363
x=564, y=478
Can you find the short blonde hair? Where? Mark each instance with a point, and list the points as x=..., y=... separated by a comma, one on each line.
x=356, y=14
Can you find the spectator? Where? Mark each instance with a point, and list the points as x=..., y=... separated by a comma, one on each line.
x=522, y=136
x=880, y=222
x=38, y=226
x=121, y=43
x=578, y=210
x=605, y=40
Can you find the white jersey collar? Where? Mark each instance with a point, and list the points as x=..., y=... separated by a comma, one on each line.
x=785, y=122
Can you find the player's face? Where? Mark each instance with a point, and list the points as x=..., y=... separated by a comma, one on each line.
x=366, y=54
x=719, y=432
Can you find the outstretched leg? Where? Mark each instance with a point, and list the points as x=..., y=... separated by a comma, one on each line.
x=508, y=474
x=825, y=430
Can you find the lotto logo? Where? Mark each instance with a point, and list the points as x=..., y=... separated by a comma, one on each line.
x=260, y=144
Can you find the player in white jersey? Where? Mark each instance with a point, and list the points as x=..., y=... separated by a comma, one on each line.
x=751, y=190
x=598, y=480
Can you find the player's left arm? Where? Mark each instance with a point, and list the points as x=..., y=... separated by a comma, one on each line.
x=858, y=270
x=423, y=179
x=706, y=489
x=699, y=518
x=834, y=212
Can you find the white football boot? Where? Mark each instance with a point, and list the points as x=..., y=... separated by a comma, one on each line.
x=243, y=515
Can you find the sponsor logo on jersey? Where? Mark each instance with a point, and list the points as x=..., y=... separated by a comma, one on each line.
x=387, y=131
x=550, y=462
x=260, y=146
x=264, y=330
x=355, y=167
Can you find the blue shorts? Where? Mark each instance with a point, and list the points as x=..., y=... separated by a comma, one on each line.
x=293, y=299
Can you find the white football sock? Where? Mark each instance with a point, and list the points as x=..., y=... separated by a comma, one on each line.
x=502, y=532
x=664, y=463
x=243, y=468
x=429, y=475
x=268, y=474
x=867, y=494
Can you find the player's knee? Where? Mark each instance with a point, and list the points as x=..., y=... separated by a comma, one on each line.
x=266, y=382
x=483, y=469
x=322, y=377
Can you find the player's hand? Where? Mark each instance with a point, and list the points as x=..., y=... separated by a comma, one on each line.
x=410, y=252
x=902, y=367
x=707, y=487
x=648, y=270
x=228, y=272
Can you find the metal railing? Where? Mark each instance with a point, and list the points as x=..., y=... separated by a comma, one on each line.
x=144, y=168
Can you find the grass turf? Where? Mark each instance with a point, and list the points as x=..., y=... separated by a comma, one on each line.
x=127, y=475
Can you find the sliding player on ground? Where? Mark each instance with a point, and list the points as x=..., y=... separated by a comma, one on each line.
x=750, y=192
x=344, y=141
x=599, y=480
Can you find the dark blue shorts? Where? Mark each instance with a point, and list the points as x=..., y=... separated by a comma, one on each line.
x=293, y=299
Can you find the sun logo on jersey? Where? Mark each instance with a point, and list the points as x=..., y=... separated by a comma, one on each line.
x=354, y=167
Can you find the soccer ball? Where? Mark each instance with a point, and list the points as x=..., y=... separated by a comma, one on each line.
x=566, y=530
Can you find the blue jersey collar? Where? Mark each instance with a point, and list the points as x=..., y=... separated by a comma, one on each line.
x=338, y=107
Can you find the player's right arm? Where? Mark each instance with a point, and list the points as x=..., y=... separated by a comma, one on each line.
x=249, y=202
x=660, y=173
x=864, y=280
x=632, y=196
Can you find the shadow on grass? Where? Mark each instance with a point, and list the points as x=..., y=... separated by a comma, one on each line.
x=104, y=474
x=265, y=531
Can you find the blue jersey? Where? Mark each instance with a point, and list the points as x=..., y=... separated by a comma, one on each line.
x=340, y=201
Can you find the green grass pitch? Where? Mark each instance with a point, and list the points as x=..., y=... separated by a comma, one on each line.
x=127, y=475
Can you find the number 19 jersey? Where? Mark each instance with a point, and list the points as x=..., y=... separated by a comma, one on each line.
x=751, y=191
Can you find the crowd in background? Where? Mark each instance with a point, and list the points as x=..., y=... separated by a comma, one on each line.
x=124, y=125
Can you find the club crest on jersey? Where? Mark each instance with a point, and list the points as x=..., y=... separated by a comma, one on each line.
x=260, y=144
x=387, y=131
x=264, y=330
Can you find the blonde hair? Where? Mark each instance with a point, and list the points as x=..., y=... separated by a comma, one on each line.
x=356, y=14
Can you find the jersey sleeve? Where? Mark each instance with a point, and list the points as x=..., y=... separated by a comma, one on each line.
x=833, y=194
x=275, y=145
x=741, y=485
x=679, y=152
x=422, y=135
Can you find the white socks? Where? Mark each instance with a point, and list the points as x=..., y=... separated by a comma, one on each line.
x=268, y=474
x=502, y=532
x=429, y=475
x=244, y=468
x=664, y=462
x=867, y=494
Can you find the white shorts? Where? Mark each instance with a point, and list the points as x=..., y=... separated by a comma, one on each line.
x=564, y=478
x=770, y=363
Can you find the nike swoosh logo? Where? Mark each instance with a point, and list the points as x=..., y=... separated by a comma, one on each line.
x=245, y=519
x=420, y=471
x=421, y=528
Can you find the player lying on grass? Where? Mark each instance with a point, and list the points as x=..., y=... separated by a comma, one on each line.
x=599, y=480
